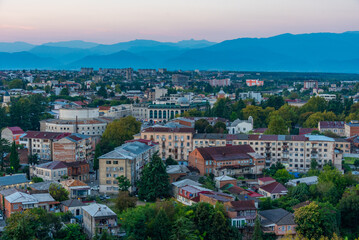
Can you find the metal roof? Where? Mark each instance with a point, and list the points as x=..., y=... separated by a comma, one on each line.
x=13, y=179
x=99, y=210
x=127, y=151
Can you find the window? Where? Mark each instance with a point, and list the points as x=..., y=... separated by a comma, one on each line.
x=115, y=162
x=108, y=162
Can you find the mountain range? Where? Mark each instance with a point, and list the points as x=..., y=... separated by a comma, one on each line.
x=313, y=52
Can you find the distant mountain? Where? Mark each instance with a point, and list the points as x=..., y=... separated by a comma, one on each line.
x=72, y=44
x=314, y=52
x=15, y=46
x=25, y=60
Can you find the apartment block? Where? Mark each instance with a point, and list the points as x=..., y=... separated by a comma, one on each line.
x=127, y=160
x=351, y=128
x=336, y=127
x=174, y=142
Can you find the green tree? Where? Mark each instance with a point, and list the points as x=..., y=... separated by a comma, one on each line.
x=316, y=220
x=72, y=232
x=4, y=119
x=102, y=92
x=277, y=126
x=183, y=229
x=16, y=83
x=161, y=226
x=125, y=201
x=58, y=192
x=257, y=232
x=200, y=125
x=37, y=179
x=313, y=164
x=283, y=176
x=14, y=158
x=64, y=92
x=123, y=183
x=171, y=161
x=274, y=101
x=33, y=159
x=4, y=148
x=349, y=209
x=154, y=182
x=219, y=127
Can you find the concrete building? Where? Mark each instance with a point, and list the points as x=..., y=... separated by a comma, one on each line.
x=51, y=171
x=241, y=126
x=254, y=82
x=351, y=128
x=127, y=160
x=74, y=206
x=14, y=181
x=277, y=221
x=257, y=96
x=12, y=134
x=119, y=111
x=156, y=93
x=180, y=80
x=75, y=147
x=174, y=142
x=98, y=218
x=228, y=160
x=336, y=127
x=6, y=100
x=220, y=82
x=310, y=84
x=76, y=188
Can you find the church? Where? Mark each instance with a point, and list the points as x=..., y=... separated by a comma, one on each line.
x=6, y=100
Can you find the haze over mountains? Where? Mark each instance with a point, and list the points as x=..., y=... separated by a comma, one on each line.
x=315, y=52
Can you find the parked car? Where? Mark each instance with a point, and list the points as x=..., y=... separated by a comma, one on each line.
x=95, y=188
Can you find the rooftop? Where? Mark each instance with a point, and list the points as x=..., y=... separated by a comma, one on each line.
x=52, y=165
x=99, y=210
x=274, y=187
x=278, y=216
x=331, y=124
x=13, y=179
x=127, y=151
x=226, y=153
x=44, y=135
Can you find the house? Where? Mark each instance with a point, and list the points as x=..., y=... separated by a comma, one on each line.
x=51, y=171
x=176, y=171
x=214, y=197
x=307, y=180
x=224, y=180
x=4, y=193
x=277, y=221
x=351, y=128
x=239, y=160
x=182, y=183
x=234, y=190
x=12, y=134
x=14, y=181
x=242, y=213
x=265, y=181
x=79, y=170
x=241, y=126
x=273, y=190
x=336, y=127
x=98, y=218
x=189, y=195
x=20, y=201
x=74, y=206
x=76, y=188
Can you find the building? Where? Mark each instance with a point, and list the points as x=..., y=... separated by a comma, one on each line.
x=265, y=180
x=351, y=128
x=241, y=126
x=75, y=147
x=327, y=97
x=98, y=218
x=77, y=120
x=307, y=180
x=224, y=180
x=119, y=111
x=12, y=134
x=179, y=184
x=176, y=171
x=254, y=82
x=242, y=213
x=127, y=160
x=19, y=201
x=14, y=181
x=174, y=142
x=215, y=197
x=310, y=84
x=51, y=171
x=189, y=195
x=76, y=188
x=294, y=151
x=156, y=93
x=74, y=206
x=273, y=190
x=257, y=96
x=277, y=221
x=40, y=143
x=180, y=80
x=6, y=100
x=336, y=127
x=229, y=160
x=220, y=82
x=79, y=170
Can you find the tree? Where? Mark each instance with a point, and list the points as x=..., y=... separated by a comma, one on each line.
x=183, y=230
x=33, y=159
x=316, y=220
x=125, y=201
x=154, y=182
x=58, y=192
x=274, y=101
x=283, y=176
x=4, y=148
x=349, y=208
x=200, y=125
x=37, y=179
x=64, y=92
x=277, y=126
x=71, y=232
x=14, y=158
x=123, y=183
x=356, y=163
x=313, y=164
x=219, y=127
x=102, y=92
x=161, y=226
x=257, y=232
x=171, y=161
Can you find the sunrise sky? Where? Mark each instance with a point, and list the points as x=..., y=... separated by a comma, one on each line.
x=110, y=21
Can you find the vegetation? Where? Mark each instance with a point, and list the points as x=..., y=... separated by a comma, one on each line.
x=58, y=192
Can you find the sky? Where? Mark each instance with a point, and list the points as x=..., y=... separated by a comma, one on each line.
x=111, y=21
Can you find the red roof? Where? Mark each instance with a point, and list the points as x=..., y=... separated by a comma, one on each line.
x=166, y=129
x=266, y=179
x=16, y=130
x=104, y=108
x=303, y=131
x=45, y=135
x=226, y=153
x=243, y=205
x=275, y=187
x=260, y=130
x=147, y=142
x=332, y=124
x=254, y=194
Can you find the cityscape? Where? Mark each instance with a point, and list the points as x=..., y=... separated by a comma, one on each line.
x=250, y=133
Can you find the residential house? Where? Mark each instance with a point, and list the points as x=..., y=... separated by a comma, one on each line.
x=74, y=206
x=182, y=183
x=127, y=160
x=307, y=180
x=189, y=195
x=241, y=126
x=230, y=160
x=277, y=221
x=51, y=171
x=265, y=180
x=76, y=188
x=98, y=218
x=224, y=180
x=214, y=197
x=351, y=128
x=12, y=134
x=273, y=190
x=242, y=213
x=14, y=181
x=79, y=170
x=336, y=127
x=176, y=171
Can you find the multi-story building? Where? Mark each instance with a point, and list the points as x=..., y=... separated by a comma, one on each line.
x=127, y=160
x=75, y=147
x=98, y=218
x=76, y=188
x=241, y=126
x=309, y=84
x=242, y=213
x=351, y=128
x=41, y=143
x=254, y=82
x=180, y=80
x=77, y=120
x=238, y=160
x=294, y=151
x=174, y=142
x=51, y=171
x=220, y=82
x=12, y=134
x=277, y=221
x=257, y=96
x=79, y=170
x=336, y=127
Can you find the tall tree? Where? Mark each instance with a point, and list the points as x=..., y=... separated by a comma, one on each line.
x=154, y=182
x=4, y=148
x=14, y=158
x=161, y=226
x=257, y=233
x=183, y=229
x=277, y=125
x=58, y=192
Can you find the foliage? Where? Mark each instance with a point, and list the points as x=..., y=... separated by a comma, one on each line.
x=257, y=233
x=33, y=159
x=58, y=192
x=14, y=158
x=4, y=148
x=124, y=201
x=37, y=179
x=283, y=176
x=171, y=161
x=154, y=182
x=71, y=232
x=277, y=126
x=64, y=92
x=123, y=183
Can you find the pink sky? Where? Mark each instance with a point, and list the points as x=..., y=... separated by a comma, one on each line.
x=110, y=21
